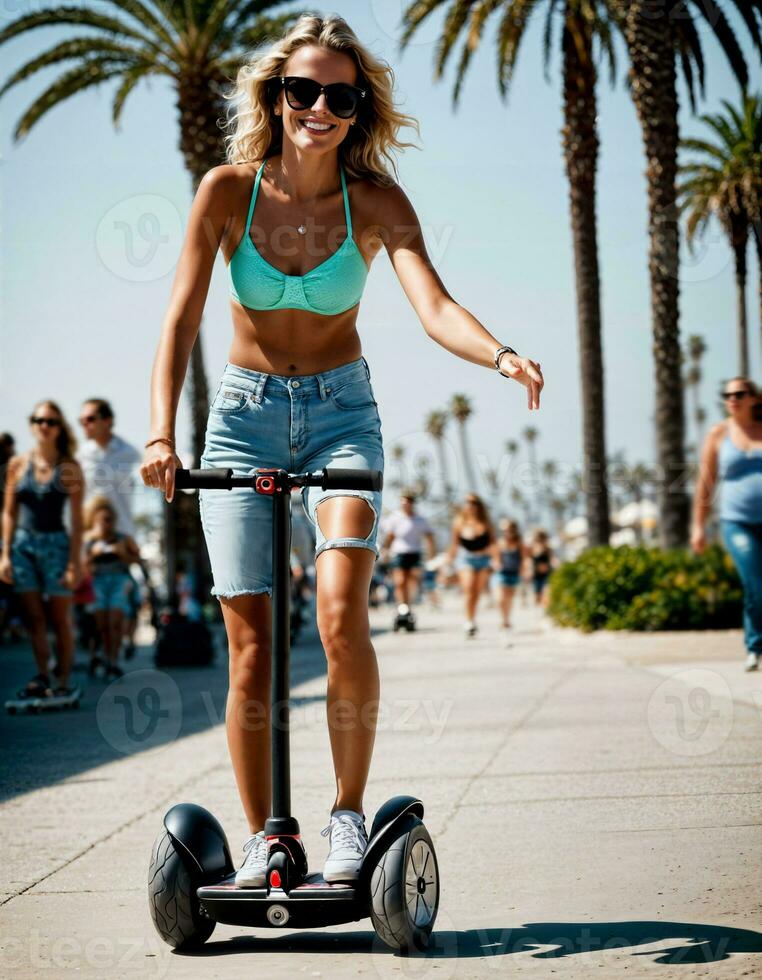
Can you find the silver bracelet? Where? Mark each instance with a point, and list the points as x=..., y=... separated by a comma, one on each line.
x=499, y=353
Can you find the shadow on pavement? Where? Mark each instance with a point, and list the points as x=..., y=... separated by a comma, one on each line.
x=691, y=942
x=144, y=709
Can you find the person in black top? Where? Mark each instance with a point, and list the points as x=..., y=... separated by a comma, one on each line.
x=541, y=556
x=40, y=558
x=474, y=537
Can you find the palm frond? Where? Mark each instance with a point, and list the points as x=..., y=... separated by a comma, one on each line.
x=75, y=48
x=455, y=19
x=511, y=32
x=479, y=15
x=713, y=14
x=84, y=76
x=414, y=16
x=130, y=79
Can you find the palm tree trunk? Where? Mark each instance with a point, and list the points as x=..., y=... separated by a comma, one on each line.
x=739, y=251
x=757, y=229
x=443, y=471
x=580, y=140
x=651, y=48
x=202, y=146
x=468, y=467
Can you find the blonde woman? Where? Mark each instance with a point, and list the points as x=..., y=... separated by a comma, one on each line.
x=40, y=558
x=300, y=211
x=109, y=554
x=473, y=542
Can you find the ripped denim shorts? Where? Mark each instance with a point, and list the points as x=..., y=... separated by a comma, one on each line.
x=302, y=424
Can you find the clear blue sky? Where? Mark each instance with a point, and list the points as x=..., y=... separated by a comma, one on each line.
x=86, y=275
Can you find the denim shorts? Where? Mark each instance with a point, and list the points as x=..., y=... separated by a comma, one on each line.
x=477, y=562
x=301, y=424
x=39, y=559
x=112, y=591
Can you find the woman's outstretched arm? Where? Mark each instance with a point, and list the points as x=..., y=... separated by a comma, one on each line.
x=444, y=320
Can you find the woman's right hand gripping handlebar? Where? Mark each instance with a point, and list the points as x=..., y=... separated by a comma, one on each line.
x=158, y=468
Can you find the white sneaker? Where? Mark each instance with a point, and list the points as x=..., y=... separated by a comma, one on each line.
x=348, y=841
x=469, y=628
x=752, y=661
x=253, y=871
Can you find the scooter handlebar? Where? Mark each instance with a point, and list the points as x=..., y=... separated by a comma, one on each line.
x=210, y=479
x=329, y=478
x=344, y=479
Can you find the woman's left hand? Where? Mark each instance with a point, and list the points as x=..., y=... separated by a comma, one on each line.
x=72, y=576
x=527, y=373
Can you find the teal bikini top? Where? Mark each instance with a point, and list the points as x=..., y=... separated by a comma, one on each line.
x=332, y=287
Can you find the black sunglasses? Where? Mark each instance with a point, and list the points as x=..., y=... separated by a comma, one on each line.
x=39, y=420
x=88, y=419
x=302, y=93
x=738, y=395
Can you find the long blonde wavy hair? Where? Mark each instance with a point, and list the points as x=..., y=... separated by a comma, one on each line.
x=257, y=133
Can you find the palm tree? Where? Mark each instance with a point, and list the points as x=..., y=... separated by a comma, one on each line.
x=530, y=435
x=696, y=351
x=653, y=43
x=519, y=501
x=549, y=472
x=718, y=183
x=512, y=448
x=397, y=453
x=434, y=425
x=586, y=24
x=198, y=47
x=461, y=411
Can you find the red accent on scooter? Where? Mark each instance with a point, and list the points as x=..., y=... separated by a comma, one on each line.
x=275, y=879
x=265, y=484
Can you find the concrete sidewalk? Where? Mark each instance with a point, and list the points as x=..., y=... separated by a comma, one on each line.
x=594, y=800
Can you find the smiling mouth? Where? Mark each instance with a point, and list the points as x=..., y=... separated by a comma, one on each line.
x=312, y=130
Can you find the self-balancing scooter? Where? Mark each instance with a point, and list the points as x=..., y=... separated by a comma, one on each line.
x=191, y=881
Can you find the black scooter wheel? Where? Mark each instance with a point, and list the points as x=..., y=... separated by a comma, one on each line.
x=404, y=890
x=175, y=909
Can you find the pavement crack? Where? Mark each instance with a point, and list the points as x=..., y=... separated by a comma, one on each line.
x=531, y=710
x=107, y=837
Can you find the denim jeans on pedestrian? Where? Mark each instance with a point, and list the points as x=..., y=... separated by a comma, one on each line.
x=744, y=544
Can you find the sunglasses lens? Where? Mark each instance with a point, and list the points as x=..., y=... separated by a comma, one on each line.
x=302, y=93
x=342, y=101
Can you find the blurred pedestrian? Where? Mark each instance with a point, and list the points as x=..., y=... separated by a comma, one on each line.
x=40, y=558
x=7, y=450
x=110, y=465
x=472, y=540
x=541, y=559
x=731, y=457
x=109, y=554
x=509, y=562
x=404, y=534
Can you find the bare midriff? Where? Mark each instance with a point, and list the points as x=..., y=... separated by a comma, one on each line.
x=291, y=342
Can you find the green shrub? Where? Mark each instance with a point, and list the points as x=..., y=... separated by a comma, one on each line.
x=638, y=588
